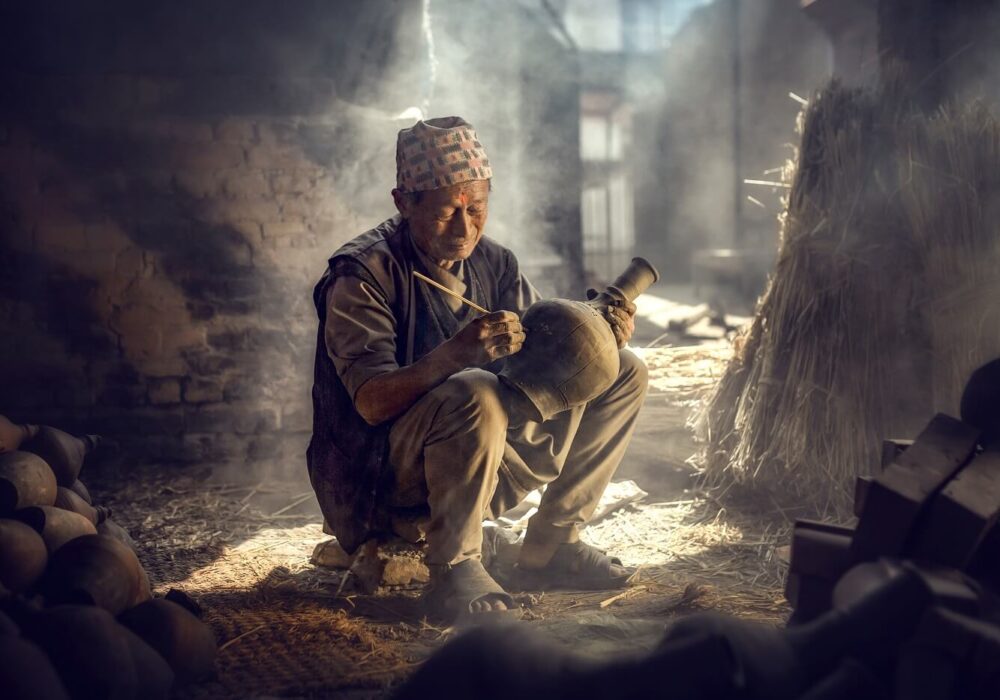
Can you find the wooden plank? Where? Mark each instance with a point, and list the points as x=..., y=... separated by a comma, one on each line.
x=960, y=516
x=891, y=449
x=820, y=549
x=809, y=597
x=861, y=486
x=897, y=495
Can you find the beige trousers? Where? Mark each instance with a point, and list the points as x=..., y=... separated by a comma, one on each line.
x=456, y=452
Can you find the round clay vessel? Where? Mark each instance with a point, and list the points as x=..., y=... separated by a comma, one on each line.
x=89, y=650
x=95, y=570
x=63, y=452
x=70, y=500
x=56, y=526
x=154, y=677
x=23, y=555
x=27, y=673
x=25, y=480
x=570, y=354
x=13, y=434
x=81, y=490
x=186, y=642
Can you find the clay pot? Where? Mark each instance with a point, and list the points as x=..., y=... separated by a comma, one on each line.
x=8, y=628
x=55, y=525
x=80, y=489
x=95, y=570
x=22, y=556
x=570, y=355
x=88, y=649
x=13, y=434
x=70, y=500
x=64, y=452
x=153, y=675
x=26, y=673
x=186, y=642
x=112, y=529
x=25, y=480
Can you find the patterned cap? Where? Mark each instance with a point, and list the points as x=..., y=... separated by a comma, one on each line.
x=437, y=153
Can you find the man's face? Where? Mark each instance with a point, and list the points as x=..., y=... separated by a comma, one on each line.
x=447, y=223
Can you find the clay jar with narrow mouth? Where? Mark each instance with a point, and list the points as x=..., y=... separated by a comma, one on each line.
x=63, y=452
x=12, y=435
x=57, y=527
x=95, y=570
x=23, y=556
x=186, y=642
x=25, y=480
x=570, y=354
x=68, y=499
x=96, y=657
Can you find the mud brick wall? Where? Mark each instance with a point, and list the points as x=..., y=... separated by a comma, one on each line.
x=171, y=183
x=173, y=177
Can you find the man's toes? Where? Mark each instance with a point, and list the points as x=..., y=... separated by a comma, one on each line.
x=499, y=605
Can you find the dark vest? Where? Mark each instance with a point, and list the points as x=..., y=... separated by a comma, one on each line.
x=347, y=458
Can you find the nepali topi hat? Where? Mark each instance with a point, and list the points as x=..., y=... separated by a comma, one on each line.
x=437, y=153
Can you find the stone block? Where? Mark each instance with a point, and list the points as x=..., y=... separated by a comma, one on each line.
x=202, y=391
x=164, y=391
x=283, y=229
x=295, y=181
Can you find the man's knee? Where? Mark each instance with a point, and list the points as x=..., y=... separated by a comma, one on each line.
x=474, y=393
x=633, y=373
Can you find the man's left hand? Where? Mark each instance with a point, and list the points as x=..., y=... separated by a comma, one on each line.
x=622, y=322
x=620, y=316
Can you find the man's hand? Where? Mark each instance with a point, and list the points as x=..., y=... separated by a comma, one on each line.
x=486, y=339
x=620, y=316
x=622, y=322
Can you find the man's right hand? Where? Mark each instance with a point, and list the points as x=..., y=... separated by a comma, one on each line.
x=486, y=339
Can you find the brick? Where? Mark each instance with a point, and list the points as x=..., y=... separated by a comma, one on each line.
x=214, y=156
x=247, y=185
x=296, y=418
x=234, y=418
x=280, y=229
x=235, y=130
x=202, y=391
x=269, y=156
x=294, y=181
x=264, y=447
x=178, y=337
x=199, y=183
x=164, y=391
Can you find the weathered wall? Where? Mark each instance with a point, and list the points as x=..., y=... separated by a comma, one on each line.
x=172, y=179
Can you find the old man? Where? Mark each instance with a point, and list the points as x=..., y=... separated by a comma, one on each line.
x=411, y=426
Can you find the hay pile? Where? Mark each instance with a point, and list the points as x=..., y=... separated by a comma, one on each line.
x=883, y=300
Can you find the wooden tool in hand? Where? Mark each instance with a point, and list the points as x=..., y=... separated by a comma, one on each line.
x=444, y=289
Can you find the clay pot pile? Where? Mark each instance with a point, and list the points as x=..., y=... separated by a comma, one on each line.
x=77, y=618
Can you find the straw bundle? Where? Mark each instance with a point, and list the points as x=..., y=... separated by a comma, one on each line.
x=879, y=306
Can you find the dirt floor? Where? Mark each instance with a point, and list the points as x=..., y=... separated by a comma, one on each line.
x=243, y=550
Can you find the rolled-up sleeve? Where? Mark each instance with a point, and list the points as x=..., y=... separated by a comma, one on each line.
x=360, y=332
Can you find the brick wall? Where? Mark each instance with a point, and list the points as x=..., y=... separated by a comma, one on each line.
x=172, y=180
